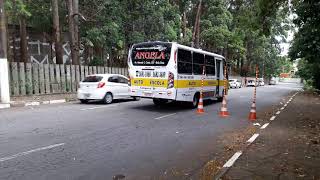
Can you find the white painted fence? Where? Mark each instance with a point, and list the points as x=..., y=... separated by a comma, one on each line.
x=36, y=79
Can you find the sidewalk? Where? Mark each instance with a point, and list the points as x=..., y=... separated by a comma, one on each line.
x=36, y=100
x=289, y=148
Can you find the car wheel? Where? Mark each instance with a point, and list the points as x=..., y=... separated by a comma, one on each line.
x=83, y=101
x=108, y=98
x=136, y=98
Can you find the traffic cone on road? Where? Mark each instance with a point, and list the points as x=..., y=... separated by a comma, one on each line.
x=224, y=111
x=253, y=113
x=200, y=109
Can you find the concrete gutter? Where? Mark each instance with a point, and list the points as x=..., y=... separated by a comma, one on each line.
x=4, y=105
x=36, y=103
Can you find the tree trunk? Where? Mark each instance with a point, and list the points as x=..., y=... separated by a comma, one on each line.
x=73, y=47
x=196, y=27
x=86, y=55
x=56, y=32
x=9, y=51
x=238, y=63
x=23, y=41
x=15, y=59
x=3, y=32
x=241, y=67
x=184, y=25
x=76, y=27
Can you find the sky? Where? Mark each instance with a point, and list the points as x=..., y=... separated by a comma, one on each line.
x=285, y=46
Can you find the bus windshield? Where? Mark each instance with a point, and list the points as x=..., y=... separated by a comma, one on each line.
x=151, y=54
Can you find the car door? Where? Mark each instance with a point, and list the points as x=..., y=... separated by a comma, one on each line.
x=115, y=86
x=124, y=87
x=239, y=83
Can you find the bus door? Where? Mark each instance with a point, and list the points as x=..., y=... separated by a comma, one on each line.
x=218, y=66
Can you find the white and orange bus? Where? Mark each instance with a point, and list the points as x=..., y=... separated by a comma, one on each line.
x=168, y=71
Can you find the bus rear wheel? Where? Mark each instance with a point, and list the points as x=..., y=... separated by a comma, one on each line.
x=219, y=99
x=195, y=100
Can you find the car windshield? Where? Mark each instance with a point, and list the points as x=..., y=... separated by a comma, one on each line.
x=231, y=80
x=93, y=79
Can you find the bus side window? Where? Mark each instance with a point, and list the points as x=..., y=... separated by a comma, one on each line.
x=184, y=62
x=198, y=63
x=210, y=65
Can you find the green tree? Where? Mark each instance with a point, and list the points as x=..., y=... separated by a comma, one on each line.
x=306, y=43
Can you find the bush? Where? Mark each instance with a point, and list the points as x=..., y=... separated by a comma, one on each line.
x=96, y=61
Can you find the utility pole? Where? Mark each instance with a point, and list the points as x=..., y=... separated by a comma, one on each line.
x=4, y=78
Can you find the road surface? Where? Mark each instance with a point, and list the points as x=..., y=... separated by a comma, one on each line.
x=131, y=139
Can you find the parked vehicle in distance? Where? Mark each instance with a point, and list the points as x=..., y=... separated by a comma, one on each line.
x=273, y=81
x=251, y=83
x=104, y=87
x=234, y=83
x=260, y=82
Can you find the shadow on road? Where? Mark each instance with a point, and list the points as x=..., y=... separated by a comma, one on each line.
x=170, y=107
x=98, y=102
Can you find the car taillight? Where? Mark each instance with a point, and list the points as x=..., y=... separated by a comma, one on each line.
x=101, y=84
x=170, y=80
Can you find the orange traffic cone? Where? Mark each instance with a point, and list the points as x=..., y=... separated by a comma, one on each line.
x=224, y=111
x=253, y=113
x=200, y=109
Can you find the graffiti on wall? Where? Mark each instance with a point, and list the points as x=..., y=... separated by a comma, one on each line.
x=42, y=52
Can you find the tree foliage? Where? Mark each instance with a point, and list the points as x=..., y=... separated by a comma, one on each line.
x=244, y=31
x=306, y=43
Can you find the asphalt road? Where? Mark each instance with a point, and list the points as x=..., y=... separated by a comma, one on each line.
x=130, y=138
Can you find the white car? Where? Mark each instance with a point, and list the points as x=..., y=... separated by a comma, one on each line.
x=105, y=87
x=234, y=83
x=251, y=83
x=273, y=81
x=261, y=83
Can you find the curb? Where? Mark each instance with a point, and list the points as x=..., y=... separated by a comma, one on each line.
x=36, y=103
x=3, y=106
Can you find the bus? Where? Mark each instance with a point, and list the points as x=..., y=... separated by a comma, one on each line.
x=168, y=71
